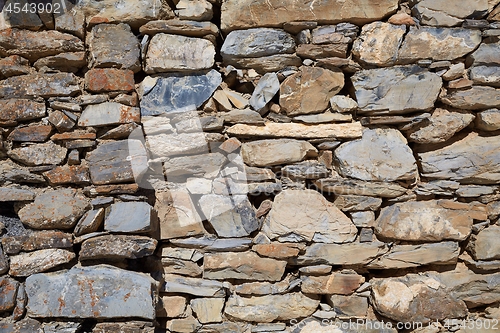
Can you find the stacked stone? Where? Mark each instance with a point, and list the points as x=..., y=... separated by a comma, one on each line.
x=307, y=165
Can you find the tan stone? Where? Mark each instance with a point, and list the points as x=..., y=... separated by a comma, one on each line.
x=278, y=250
x=208, y=310
x=172, y=306
x=28, y=263
x=343, y=254
x=336, y=283
x=274, y=152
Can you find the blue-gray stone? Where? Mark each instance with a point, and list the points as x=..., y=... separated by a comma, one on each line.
x=258, y=42
x=130, y=217
x=96, y=292
x=179, y=92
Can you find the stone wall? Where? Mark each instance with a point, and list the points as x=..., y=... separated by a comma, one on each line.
x=250, y=166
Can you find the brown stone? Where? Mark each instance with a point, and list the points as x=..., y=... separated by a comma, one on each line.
x=311, y=51
x=8, y=291
x=117, y=247
x=37, y=240
x=99, y=80
x=111, y=189
x=76, y=135
x=181, y=27
x=61, y=121
x=14, y=110
x=40, y=85
x=14, y=65
x=68, y=174
x=39, y=154
x=336, y=283
x=64, y=62
x=36, y=133
x=278, y=250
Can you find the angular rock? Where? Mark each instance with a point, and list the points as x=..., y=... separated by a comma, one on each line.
x=349, y=306
x=39, y=154
x=243, y=117
x=34, y=45
x=448, y=13
x=132, y=326
x=90, y=222
x=208, y=310
x=315, y=52
x=13, y=66
x=8, y=291
x=99, y=80
x=486, y=54
x=438, y=44
x=485, y=246
x=117, y=247
x=166, y=145
x=34, y=133
x=263, y=65
x=307, y=216
x=309, y=91
x=358, y=187
x=14, y=110
x=485, y=75
x=242, y=266
x=381, y=155
x=173, y=93
x=167, y=53
x=248, y=14
x=336, y=283
x=266, y=309
x=117, y=162
x=194, y=10
x=350, y=254
x=398, y=299
x=212, y=244
x=39, y=85
x=181, y=267
x=37, y=240
x=62, y=120
x=173, y=306
x=129, y=217
x=56, y=209
x=396, y=90
x=378, y=44
x=476, y=98
x=254, y=43
x=15, y=194
x=470, y=160
x=425, y=221
x=26, y=264
x=266, y=89
x=405, y=256
x=488, y=120
x=68, y=174
x=109, y=113
x=180, y=27
x=113, y=45
x=64, y=62
x=13, y=172
x=440, y=127
x=193, y=286
x=349, y=203
x=274, y=152
x=298, y=131
x=91, y=292
x=278, y=250
x=327, y=117
x=306, y=170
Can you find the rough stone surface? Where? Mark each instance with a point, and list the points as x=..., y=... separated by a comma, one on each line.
x=15, y=110
x=476, y=98
x=448, y=13
x=275, y=152
x=343, y=254
x=117, y=247
x=109, y=113
x=359, y=187
x=488, y=120
x=37, y=240
x=129, y=217
x=265, y=90
x=109, y=79
x=26, y=264
x=336, y=283
x=485, y=246
x=208, y=310
x=39, y=85
x=39, y=154
x=298, y=131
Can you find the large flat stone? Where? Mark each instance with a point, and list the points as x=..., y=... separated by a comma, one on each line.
x=206, y=165
x=275, y=152
x=14, y=110
x=449, y=13
x=337, y=283
x=117, y=247
x=475, y=98
x=193, y=286
x=173, y=92
x=350, y=254
x=39, y=85
x=360, y=187
x=305, y=215
x=470, y=160
x=39, y=154
x=486, y=54
x=15, y=194
x=176, y=144
x=129, y=217
x=28, y=263
x=242, y=14
x=396, y=90
x=97, y=292
x=38, y=240
x=99, y=80
x=380, y=155
x=263, y=65
x=109, y=113
x=180, y=27
x=485, y=245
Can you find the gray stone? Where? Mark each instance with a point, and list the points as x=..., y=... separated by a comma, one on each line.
x=396, y=90
x=266, y=89
x=448, y=13
x=99, y=292
x=474, y=191
x=168, y=53
x=349, y=203
x=425, y=221
x=91, y=221
x=486, y=54
x=274, y=152
x=243, y=117
x=117, y=247
x=129, y=217
x=341, y=103
x=36, y=240
x=180, y=27
x=254, y=43
x=109, y=113
x=15, y=194
x=39, y=154
x=113, y=45
x=230, y=216
x=207, y=165
x=350, y=254
x=327, y=117
x=173, y=92
x=14, y=110
x=208, y=310
x=437, y=187
x=306, y=170
x=117, y=162
x=349, y=306
x=438, y=43
x=488, y=120
x=39, y=85
x=470, y=160
x=212, y=244
x=193, y=286
x=26, y=264
x=26, y=325
x=263, y=65
x=307, y=216
x=56, y=209
x=242, y=266
x=364, y=219
x=381, y=155
x=266, y=309
x=476, y=98
x=62, y=327
x=485, y=245
x=15, y=173
x=358, y=187
x=485, y=75
x=64, y=62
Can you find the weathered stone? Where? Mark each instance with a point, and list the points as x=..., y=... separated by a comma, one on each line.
x=396, y=90
x=243, y=117
x=61, y=120
x=275, y=152
x=242, y=14
x=165, y=145
x=208, y=310
x=171, y=93
x=13, y=66
x=99, y=80
x=212, y=244
x=39, y=85
x=113, y=45
x=485, y=75
x=438, y=43
x=405, y=256
x=349, y=203
x=486, y=54
x=242, y=266
x=37, y=240
x=312, y=51
x=278, y=250
x=265, y=90
x=57, y=209
x=181, y=267
x=171, y=306
x=425, y=220
x=64, y=62
x=129, y=326
x=307, y=216
x=68, y=174
x=267, y=288
x=91, y=221
x=381, y=155
x=470, y=160
x=263, y=65
x=39, y=154
x=34, y=45
x=129, y=217
x=117, y=162
x=184, y=325
x=476, y=98
x=488, y=120
x=349, y=306
x=26, y=325
x=168, y=53
x=109, y=113
x=91, y=292
x=299, y=131
x=359, y=187
x=379, y=43
x=13, y=172
x=336, y=283
x=364, y=219
x=327, y=117
x=33, y=133
x=411, y=298
x=349, y=254
x=306, y=170
x=448, y=13
x=15, y=110
x=180, y=27
x=117, y=247
x=26, y=264
x=8, y=291
x=309, y=90
x=484, y=244
x=456, y=71
x=15, y=194
x=193, y=286
x=177, y=215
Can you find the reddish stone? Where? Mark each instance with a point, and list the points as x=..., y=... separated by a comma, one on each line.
x=336, y=283
x=76, y=135
x=14, y=110
x=61, y=121
x=14, y=65
x=278, y=250
x=39, y=133
x=111, y=189
x=109, y=79
x=74, y=174
x=8, y=291
x=38, y=240
x=462, y=83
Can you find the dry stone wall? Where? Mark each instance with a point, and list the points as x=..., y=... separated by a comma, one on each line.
x=244, y=166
